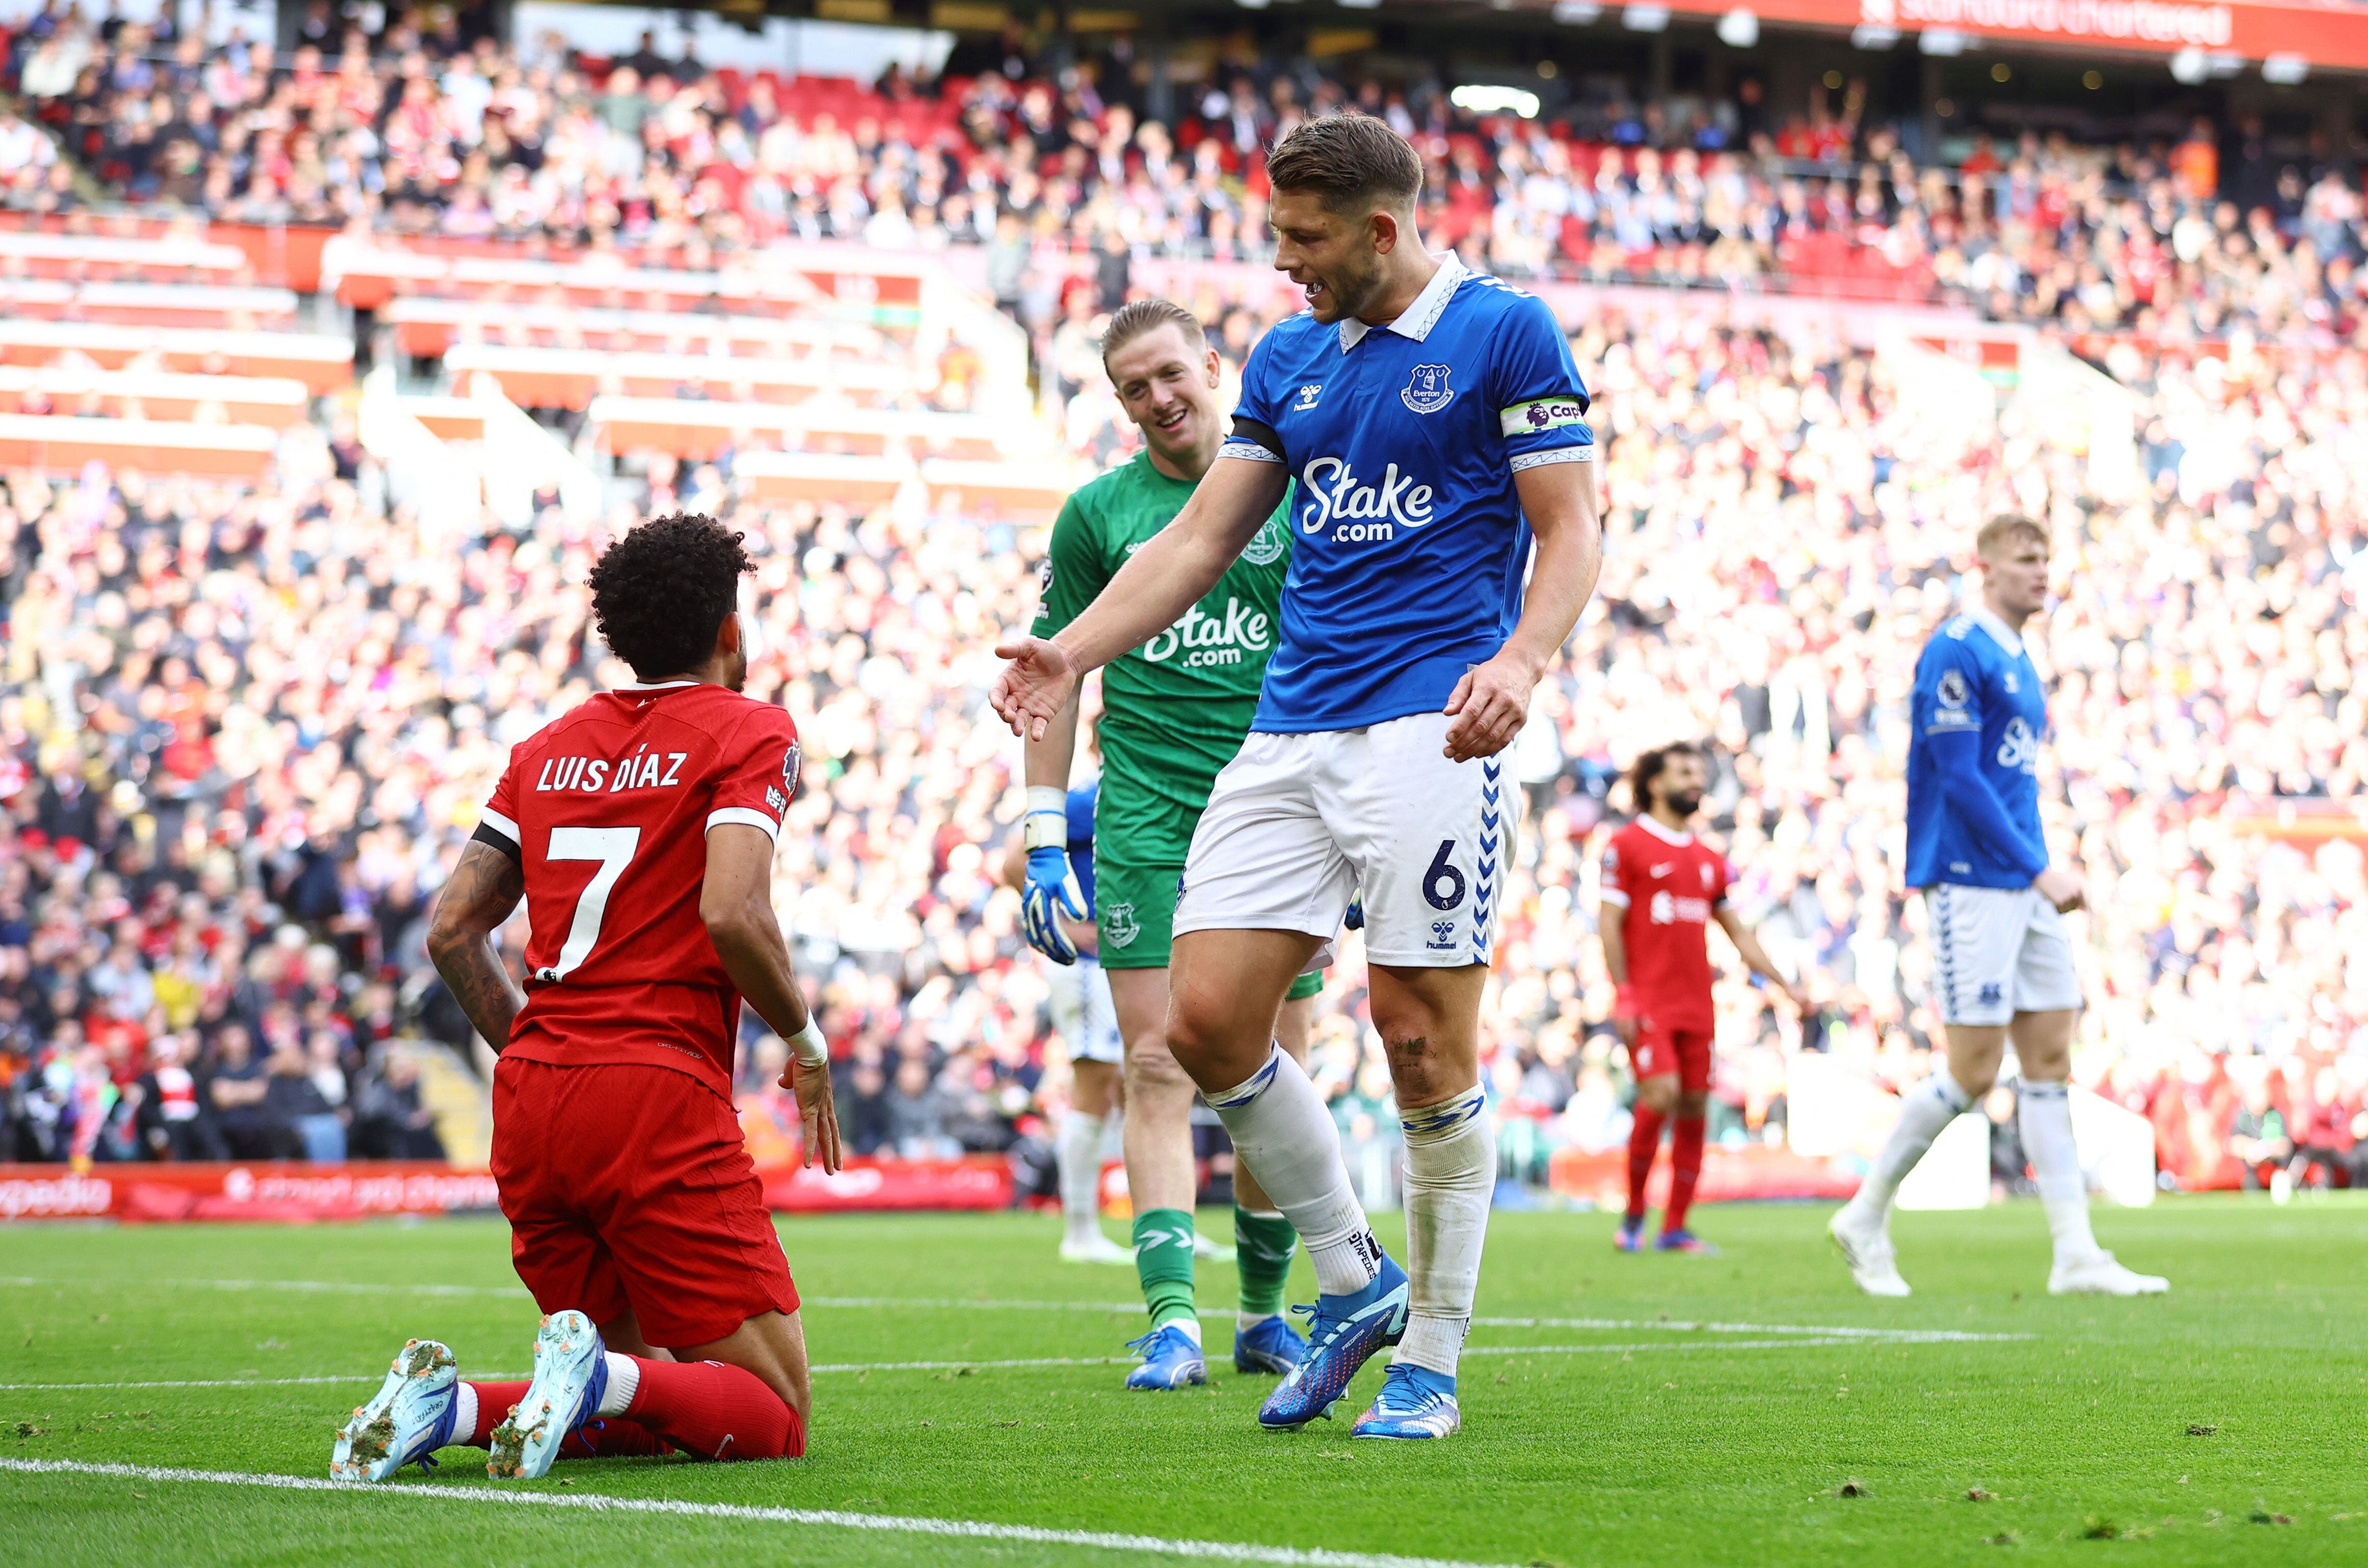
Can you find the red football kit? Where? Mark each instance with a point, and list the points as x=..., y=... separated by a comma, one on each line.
x=615, y=1147
x=1669, y=884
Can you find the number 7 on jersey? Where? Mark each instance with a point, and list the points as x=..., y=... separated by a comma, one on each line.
x=613, y=847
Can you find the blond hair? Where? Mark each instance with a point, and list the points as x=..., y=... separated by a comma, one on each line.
x=2007, y=526
x=1137, y=317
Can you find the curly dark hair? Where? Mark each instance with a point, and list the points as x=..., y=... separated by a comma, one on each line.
x=660, y=594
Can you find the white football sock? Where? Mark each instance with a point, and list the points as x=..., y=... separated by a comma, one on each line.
x=1077, y=1152
x=464, y=1413
x=1251, y=1320
x=1924, y=1111
x=1451, y=1175
x=1188, y=1327
x=2046, y=1112
x=1281, y=1131
x=625, y=1380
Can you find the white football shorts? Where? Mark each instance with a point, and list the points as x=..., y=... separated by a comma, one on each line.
x=1997, y=952
x=1082, y=1014
x=1297, y=825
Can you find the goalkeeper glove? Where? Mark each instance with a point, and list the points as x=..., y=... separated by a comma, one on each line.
x=1050, y=889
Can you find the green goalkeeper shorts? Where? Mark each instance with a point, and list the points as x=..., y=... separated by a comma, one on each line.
x=1134, y=909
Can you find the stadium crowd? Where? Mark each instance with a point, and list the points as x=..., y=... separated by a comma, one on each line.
x=431, y=125
x=244, y=733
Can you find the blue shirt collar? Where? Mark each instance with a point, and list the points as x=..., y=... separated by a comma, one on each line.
x=2005, y=636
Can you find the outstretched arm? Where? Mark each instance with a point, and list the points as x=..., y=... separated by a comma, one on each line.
x=484, y=888
x=1150, y=593
x=1492, y=702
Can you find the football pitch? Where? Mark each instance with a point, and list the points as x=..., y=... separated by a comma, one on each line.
x=167, y=1395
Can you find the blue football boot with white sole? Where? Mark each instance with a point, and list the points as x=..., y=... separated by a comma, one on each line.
x=1171, y=1359
x=1415, y=1402
x=570, y=1373
x=1343, y=1333
x=1268, y=1345
x=409, y=1418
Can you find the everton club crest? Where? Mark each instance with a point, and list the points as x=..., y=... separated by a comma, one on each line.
x=1426, y=390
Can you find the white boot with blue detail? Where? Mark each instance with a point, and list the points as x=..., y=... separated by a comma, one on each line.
x=409, y=1418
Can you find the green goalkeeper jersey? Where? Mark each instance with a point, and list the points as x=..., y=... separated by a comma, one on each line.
x=1174, y=709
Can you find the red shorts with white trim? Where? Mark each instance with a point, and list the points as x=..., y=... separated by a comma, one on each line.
x=630, y=1186
x=1685, y=1053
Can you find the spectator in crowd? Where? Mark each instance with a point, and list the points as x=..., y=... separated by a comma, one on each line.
x=390, y=1119
x=174, y=1120
x=240, y=1087
x=2256, y=1136
x=917, y=1113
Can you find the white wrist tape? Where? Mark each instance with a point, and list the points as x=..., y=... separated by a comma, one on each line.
x=1046, y=825
x=809, y=1046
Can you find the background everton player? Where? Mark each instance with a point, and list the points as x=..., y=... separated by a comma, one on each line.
x=2002, y=959
x=1437, y=427
x=639, y=828
x=1661, y=888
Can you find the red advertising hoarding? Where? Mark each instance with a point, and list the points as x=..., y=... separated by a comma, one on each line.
x=362, y=1189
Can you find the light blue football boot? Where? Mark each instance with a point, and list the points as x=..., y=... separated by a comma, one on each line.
x=1415, y=1402
x=570, y=1373
x=408, y=1419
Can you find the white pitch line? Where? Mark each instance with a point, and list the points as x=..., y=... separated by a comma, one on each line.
x=1898, y=1336
x=960, y=1304
x=828, y=1518
x=248, y=1382
x=1789, y=1341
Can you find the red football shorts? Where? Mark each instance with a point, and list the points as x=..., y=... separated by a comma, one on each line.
x=1685, y=1053
x=630, y=1186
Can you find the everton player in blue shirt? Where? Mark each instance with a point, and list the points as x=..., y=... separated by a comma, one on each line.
x=1445, y=541
x=2003, y=963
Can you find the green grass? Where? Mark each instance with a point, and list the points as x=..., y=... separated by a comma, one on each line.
x=1698, y=1447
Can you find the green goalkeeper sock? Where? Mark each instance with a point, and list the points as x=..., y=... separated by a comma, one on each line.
x=1263, y=1245
x=1162, y=1261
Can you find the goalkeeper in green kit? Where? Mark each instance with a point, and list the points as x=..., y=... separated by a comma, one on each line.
x=1173, y=712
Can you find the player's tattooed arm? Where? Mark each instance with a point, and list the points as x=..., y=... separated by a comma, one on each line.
x=484, y=888
x=735, y=905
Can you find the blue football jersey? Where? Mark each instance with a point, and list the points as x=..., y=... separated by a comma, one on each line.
x=1081, y=838
x=1975, y=681
x=1408, y=545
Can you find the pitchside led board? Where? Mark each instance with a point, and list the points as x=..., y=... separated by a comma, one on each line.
x=2290, y=36
x=1833, y=1111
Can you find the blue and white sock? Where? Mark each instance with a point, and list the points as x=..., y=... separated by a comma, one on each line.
x=1451, y=1175
x=1281, y=1131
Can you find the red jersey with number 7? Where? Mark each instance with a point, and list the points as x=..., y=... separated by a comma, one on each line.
x=1669, y=884
x=607, y=810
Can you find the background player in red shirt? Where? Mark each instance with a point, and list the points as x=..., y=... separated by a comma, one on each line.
x=1662, y=887
x=639, y=828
